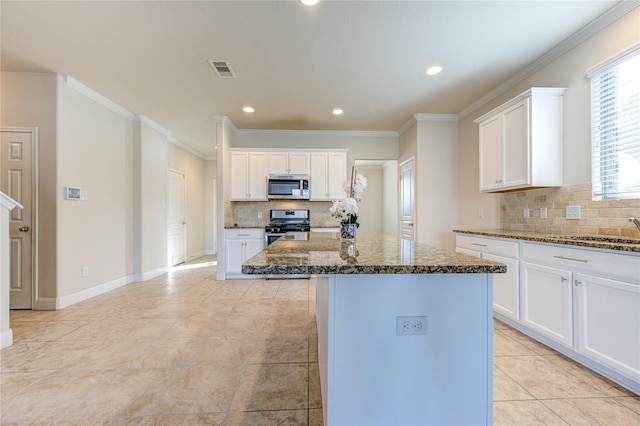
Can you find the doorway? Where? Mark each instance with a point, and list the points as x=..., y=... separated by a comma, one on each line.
x=379, y=205
x=18, y=180
x=176, y=218
x=407, y=199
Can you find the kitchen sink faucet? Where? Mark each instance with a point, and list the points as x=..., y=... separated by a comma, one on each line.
x=635, y=221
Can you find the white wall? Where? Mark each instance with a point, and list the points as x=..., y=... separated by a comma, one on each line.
x=150, y=166
x=566, y=71
x=95, y=148
x=193, y=168
x=210, y=243
x=433, y=141
x=371, y=209
x=437, y=181
x=361, y=145
x=224, y=140
x=29, y=100
x=391, y=216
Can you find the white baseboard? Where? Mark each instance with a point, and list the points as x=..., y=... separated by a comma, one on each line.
x=150, y=274
x=210, y=252
x=54, y=304
x=6, y=338
x=72, y=299
x=196, y=255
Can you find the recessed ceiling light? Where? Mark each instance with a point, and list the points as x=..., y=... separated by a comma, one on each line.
x=434, y=70
x=248, y=109
x=337, y=111
x=309, y=2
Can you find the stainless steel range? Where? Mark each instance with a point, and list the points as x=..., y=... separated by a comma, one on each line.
x=295, y=223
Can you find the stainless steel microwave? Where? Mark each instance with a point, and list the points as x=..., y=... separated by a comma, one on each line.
x=288, y=187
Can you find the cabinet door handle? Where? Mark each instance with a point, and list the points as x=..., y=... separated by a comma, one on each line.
x=563, y=279
x=571, y=259
x=478, y=244
x=577, y=283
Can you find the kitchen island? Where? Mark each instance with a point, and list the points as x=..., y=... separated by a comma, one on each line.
x=405, y=330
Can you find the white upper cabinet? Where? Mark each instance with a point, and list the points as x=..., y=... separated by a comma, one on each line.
x=521, y=142
x=296, y=163
x=249, y=176
x=328, y=173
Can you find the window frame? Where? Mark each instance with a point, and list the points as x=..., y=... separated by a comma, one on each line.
x=604, y=80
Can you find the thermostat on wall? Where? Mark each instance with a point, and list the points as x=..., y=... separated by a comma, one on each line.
x=71, y=193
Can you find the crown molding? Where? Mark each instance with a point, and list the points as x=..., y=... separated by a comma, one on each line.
x=592, y=28
x=92, y=94
x=149, y=122
x=225, y=120
x=185, y=147
x=426, y=117
x=436, y=117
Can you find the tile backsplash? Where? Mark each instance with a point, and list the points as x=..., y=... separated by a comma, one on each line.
x=596, y=217
x=245, y=213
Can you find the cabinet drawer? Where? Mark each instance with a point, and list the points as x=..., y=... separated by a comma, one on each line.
x=607, y=264
x=489, y=245
x=244, y=234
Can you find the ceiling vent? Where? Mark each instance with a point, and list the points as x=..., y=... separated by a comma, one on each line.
x=222, y=68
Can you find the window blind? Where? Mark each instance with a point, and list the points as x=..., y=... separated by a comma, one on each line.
x=615, y=132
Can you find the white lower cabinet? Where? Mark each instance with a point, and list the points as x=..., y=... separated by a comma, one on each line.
x=240, y=245
x=505, y=286
x=582, y=302
x=547, y=301
x=608, y=322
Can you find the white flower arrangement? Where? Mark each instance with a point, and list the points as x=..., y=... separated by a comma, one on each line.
x=346, y=210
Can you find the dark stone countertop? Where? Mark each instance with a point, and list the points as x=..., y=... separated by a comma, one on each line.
x=628, y=245
x=324, y=253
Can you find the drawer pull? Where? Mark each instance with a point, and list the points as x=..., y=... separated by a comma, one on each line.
x=571, y=258
x=478, y=244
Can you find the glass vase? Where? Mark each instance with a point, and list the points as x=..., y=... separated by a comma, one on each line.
x=348, y=231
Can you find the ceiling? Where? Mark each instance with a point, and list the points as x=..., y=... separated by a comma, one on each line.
x=293, y=63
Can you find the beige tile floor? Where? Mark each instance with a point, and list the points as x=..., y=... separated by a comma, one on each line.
x=185, y=349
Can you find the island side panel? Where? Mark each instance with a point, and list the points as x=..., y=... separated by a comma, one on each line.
x=374, y=377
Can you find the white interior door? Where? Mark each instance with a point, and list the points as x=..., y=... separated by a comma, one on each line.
x=176, y=222
x=407, y=199
x=16, y=165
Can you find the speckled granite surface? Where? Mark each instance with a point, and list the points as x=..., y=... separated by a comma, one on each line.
x=631, y=245
x=323, y=253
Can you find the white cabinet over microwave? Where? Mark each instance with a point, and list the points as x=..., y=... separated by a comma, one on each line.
x=295, y=163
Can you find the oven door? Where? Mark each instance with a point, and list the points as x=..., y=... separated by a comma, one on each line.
x=270, y=238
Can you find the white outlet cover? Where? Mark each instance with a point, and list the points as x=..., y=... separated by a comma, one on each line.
x=572, y=212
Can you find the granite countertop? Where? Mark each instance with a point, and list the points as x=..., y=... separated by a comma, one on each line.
x=630, y=245
x=323, y=253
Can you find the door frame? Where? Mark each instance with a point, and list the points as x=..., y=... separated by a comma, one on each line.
x=35, y=210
